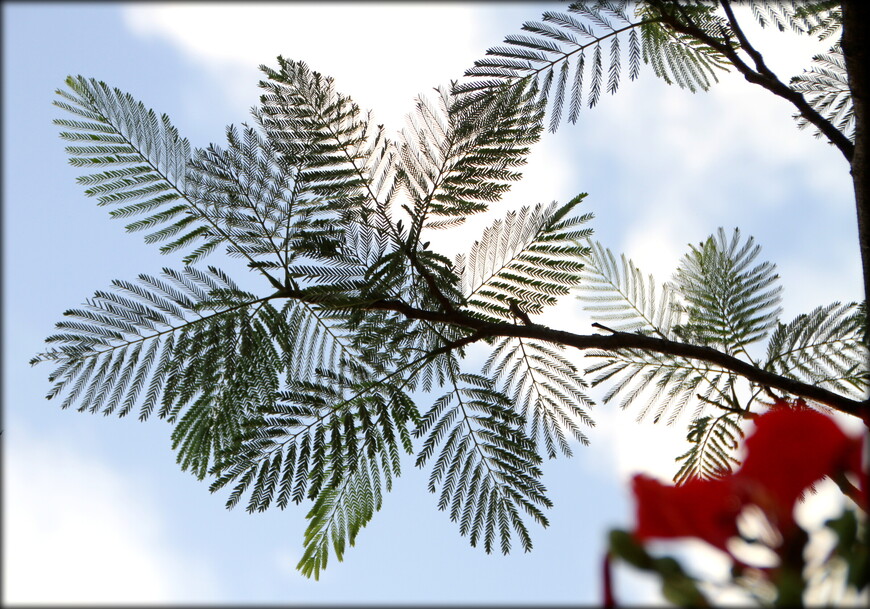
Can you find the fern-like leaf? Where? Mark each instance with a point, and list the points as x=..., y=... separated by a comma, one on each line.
x=730, y=304
x=250, y=196
x=713, y=441
x=679, y=58
x=138, y=161
x=552, y=53
x=336, y=440
x=826, y=87
x=617, y=295
x=191, y=337
x=529, y=258
x=456, y=160
x=339, y=156
x=824, y=347
x=546, y=389
x=810, y=17
x=487, y=469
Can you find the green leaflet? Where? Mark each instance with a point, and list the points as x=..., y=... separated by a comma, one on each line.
x=351, y=497
x=530, y=257
x=826, y=87
x=336, y=441
x=825, y=347
x=190, y=339
x=712, y=440
x=545, y=388
x=679, y=58
x=456, y=159
x=819, y=18
x=487, y=468
x=721, y=296
x=137, y=160
x=345, y=161
x=618, y=295
x=729, y=304
x=249, y=194
x=580, y=51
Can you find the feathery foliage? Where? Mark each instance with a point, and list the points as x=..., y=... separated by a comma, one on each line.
x=712, y=440
x=729, y=304
x=618, y=295
x=580, y=52
x=821, y=18
x=343, y=163
x=679, y=58
x=312, y=197
x=529, y=257
x=335, y=440
x=457, y=159
x=717, y=298
x=309, y=389
x=825, y=346
x=546, y=388
x=521, y=264
x=136, y=160
x=826, y=86
x=188, y=343
x=487, y=467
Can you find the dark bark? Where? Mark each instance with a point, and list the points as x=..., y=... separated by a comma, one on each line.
x=612, y=342
x=855, y=52
x=761, y=75
x=625, y=340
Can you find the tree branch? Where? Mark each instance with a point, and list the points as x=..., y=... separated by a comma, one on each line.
x=757, y=58
x=856, y=54
x=620, y=341
x=763, y=77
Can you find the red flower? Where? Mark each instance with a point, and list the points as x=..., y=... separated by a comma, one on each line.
x=791, y=448
x=609, y=599
x=706, y=509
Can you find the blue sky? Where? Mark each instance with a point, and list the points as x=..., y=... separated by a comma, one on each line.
x=95, y=509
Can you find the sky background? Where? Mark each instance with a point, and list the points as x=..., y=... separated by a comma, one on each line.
x=95, y=510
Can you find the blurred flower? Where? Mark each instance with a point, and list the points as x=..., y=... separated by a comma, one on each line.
x=706, y=509
x=791, y=448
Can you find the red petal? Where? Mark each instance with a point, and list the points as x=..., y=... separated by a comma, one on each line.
x=790, y=449
x=706, y=509
x=609, y=599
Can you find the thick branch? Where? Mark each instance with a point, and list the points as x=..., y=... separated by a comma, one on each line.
x=856, y=53
x=624, y=340
x=757, y=58
x=763, y=77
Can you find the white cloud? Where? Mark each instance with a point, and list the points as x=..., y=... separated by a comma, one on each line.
x=630, y=448
x=75, y=531
x=656, y=247
x=382, y=55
